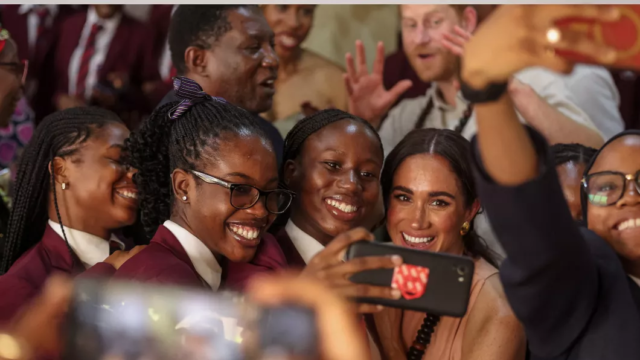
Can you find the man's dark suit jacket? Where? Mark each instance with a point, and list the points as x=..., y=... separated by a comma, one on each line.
x=564, y=283
x=272, y=132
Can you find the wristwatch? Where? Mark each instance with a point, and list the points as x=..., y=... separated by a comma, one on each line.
x=490, y=93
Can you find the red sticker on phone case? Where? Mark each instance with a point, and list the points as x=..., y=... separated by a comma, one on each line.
x=411, y=280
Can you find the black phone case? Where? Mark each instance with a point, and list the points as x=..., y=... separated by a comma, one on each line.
x=448, y=287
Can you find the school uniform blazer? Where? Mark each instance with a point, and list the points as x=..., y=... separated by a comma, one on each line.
x=130, y=52
x=293, y=257
x=41, y=62
x=165, y=261
x=159, y=21
x=564, y=283
x=25, y=278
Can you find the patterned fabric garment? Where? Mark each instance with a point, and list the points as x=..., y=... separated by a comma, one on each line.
x=15, y=137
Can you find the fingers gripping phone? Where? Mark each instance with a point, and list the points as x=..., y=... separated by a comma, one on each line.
x=434, y=283
x=622, y=35
x=118, y=320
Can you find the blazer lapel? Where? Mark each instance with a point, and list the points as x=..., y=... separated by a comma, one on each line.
x=60, y=257
x=166, y=238
x=294, y=260
x=117, y=47
x=635, y=292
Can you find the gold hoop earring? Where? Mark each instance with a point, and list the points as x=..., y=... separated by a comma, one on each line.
x=465, y=228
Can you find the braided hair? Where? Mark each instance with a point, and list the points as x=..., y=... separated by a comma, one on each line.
x=311, y=124
x=164, y=144
x=577, y=153
x=60, y=134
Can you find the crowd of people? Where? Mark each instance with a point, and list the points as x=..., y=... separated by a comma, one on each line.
x=209, y=149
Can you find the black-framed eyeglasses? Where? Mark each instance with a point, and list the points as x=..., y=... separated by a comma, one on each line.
x=607, y=187
x=243, y=196
x=19, y=68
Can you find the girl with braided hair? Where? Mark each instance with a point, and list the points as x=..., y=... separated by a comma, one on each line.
x=73, y=190
x=208, y=182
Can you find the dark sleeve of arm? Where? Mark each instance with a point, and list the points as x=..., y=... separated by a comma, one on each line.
x=549, y=276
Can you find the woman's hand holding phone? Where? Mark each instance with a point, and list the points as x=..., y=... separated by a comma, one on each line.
x=329, y=267
x=515, y=37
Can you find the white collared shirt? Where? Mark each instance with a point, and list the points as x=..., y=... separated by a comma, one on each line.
x=90, y=249
x=201, y=257
x=33, y=21
x=635, y=279
x=102, y=44
x=165, y=59
x=403, y=117
x=307, y=246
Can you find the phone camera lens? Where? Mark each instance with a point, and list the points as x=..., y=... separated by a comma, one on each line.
x=461, y=270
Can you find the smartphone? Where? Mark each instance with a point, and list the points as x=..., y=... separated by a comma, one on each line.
x=622, y=35
x=120, y=320
x=430, y=282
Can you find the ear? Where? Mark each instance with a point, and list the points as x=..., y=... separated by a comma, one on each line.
x=469, y=19
x=183, y=184
x=195, y=59
x=291, y=173
x=472, y=211
x=58, y=166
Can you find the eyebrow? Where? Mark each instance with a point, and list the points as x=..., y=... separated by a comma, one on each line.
x=431, y=194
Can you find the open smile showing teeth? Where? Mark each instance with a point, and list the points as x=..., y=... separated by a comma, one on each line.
x=629, y=224
x=344, y=207
x=417, y=240
x=247, y=232
x=127, y=194
x=288, y=41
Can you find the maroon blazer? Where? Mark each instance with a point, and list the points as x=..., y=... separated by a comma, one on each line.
x=25, y=278
x=159, y=21
x=41, y=61
x=165, y=261
x=130, y=52
x=294, y=260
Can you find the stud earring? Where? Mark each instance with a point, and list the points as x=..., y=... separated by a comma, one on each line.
x=64, y=186
x=465, y=228
x=184, y=198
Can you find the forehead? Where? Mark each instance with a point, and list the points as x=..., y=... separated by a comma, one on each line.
x=426, y=172
x=247, y=154
x=247, y=21
x=623, y=155
x=570, y=171
x=347, y=136
x=106, y=136
x=412, y=11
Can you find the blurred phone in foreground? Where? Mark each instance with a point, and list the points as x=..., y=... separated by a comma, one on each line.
x=622, y=35
x=130, y=321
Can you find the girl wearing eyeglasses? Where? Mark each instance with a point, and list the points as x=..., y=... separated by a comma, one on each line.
x=575, y=290
x=12, y=76
x=208, y=187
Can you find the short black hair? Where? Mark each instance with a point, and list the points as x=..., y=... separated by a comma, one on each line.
x=60, y=134
x=197, y=25
x=578, y=153
x=163, y=144
x=454, y=148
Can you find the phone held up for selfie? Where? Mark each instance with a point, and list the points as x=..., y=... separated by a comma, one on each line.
x=430, y=282
x=122, y=320
x=622, y=35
